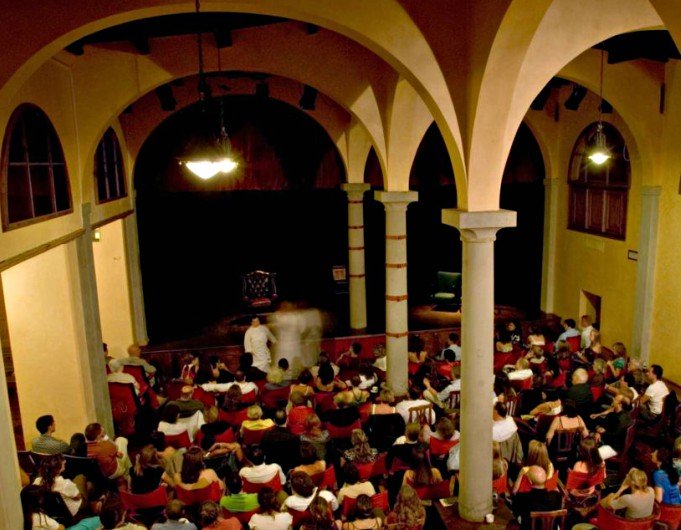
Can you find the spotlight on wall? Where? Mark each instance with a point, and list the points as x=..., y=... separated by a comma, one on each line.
x=309, y=98
x=575, y=98
x=96, y=236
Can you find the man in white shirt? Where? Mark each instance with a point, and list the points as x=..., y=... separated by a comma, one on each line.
x=653, y=399
x=503, y=427
x=117, y=375
x=452, y=345
x=256, y=340
x=239, y=380
x=569, y=330
x=415, y=400
x=260, y=472
x=585, y=322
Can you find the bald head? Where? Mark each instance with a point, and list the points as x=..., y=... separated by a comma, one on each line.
x=537, y=477
x=134, y=351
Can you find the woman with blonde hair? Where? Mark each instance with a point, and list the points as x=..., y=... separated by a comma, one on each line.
x=316, y=435
x=148, y=472
x=639, y=503
x=499, y=463
x=361, y=452
x=408, y=512
x=537, y=455
x=386, y=402
x=255, y=421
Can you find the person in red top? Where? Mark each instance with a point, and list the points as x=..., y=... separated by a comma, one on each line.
x=298, y=413
x=112, y=457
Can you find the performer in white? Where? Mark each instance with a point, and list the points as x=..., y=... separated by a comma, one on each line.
x=255, y=341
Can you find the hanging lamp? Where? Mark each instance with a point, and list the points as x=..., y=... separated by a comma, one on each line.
x=599, y=153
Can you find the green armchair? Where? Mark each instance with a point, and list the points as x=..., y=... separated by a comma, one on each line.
x=447, y=292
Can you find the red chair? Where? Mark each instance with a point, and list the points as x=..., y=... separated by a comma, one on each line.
x=253, y=436
x=372, y=469
x=242, y=517
x=249, y=398
x=234, y=418
x=574, y=342
x=364, y=412
x=500, y=485
x=577, y=480
x=440, y=447
x=337, y=433
x=607, y=520
x=439, y=490
x=299, y=517
x=204, y=397
x=178, y=441
x=174, y=389
x=226, y=437
x=551, y=483
x=522, y=384
x=133, y=504
x=412, y=368
x=124, y=407
x=596, y=392
x=324, y=401
x=140, y=376
x=198, y=496
x=578, y=498
x=670, y=516
x=379, y=500
x=253, y=487
x=325, y=479
x=271, y=398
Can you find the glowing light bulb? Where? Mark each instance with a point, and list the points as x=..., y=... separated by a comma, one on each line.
x=599, y=157
x=203, y=169
x=226, y=165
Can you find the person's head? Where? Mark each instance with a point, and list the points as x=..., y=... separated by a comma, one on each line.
x=305, y=377
x=619, y=349
x=453, y=339
x=308, y=454
x=239, y=376
x=78, y=445
x=297, y=399
x=595, y=336
x=208, y=513
x=45, y=424
x=254, y=412
x=408, y=508
x=450, y=356
x=363, y=507
x=116, y=366
x=50, y=468
x=146, y=458
x=420, y=464
x=600, y=366
x=356, y=348
x=355, y=381
x=351, y=473
x=570, y=408
x=283, y=364
x=171, y=413
x=585, y=321
x=267, y=500
x=232, y=398
x=186, y=392
x=134, y=350
x=522, y=364
x=255, y=321
x=174, y=510
x=233, y=483
x=275, y=376
x=192, y=465
x=246, y=361
x=580, y=376
x=256, y=455
x=655, y=372
x=537, y=477
x=386, y=396
x=280, y=417
x=31, y=503
x=360, y=442
x=412, y=431
x=301, y=484
x=414, y=392
x=500, y=411
x=538, y=455
x=511, y=326
x=589, y=454
x=320, y=514
x=110, y=516
x=326, y=373
x=445, y=428
x=637, y=480
x=569, y=323
x=94, y=432
x=313, y=425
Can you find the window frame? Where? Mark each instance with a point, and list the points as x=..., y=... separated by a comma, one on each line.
x=121, y=166
x=4, y=171
x=612, y=193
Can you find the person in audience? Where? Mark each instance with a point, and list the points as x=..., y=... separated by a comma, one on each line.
x=653, y=399
x=210, y=518
x=569, y=330
x=111, y=517
x=360, y=452
x=34, y=516
x=408, y=512
x=321, y=517
x=245, y=386
x=638, y=504
x=193, y=474
x=586, y=328
x=415, y=400
x=323, y=359
x=353, y=487
x=421, y=473
x=303, y=491
x=352, y=395
x=521, y=370
x=580, y=392
x=453, y=346
x=445, y=430
x=612, y=424
x=187, y=405
x=504, y=342
x=148, y=472
x=515, y=330
x=503, y=390
x=270, y=517
x=326, y=379
x=411, y=436
x=417, y=350
x=535, y=337
x=568, y=420
x=617, y=364
x=367, y=378
x=316, y=434
x=134, y=358
x=444, y=368
x=77, y=445
x=385, y=403
x=175, y=519
x=589, y=461
x=46, y=443
x=499, y=463
x=247, y=366
x=381, y=362
x=219, y=371
x=503, y=425
x=235, y=500
x=112, y=457
x=347, y=358
x=537, y=455
x=259, y=472
x=676, y=452
x=298, y=413
x=665, y=477
x=364, y=517
x=310, y=462
x=275, y=378
x=190, y=366
x=50, y=479
x=169, y=424
x=538, y=499
x=256, y=342
x=303, y=386
x=117, y=375
x=255, y=421
x=285, y=367
x=281, y=445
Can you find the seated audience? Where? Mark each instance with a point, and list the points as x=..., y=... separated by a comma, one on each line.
x=316, y=435
x=353, y=487
x=248, y=367
x=303, y=491
x=187, y=405
x=653, y=398
x=346, y=358
x=321, y=516
x=148, y=472
x=193, y=474
x=569, y=330
x=499, y=463
x=665, y=477
x=445, y=430
x=415, y=400
x=538, y=499
x=408, y=512
x=46, y=443
x=210, y=518
x=134, y=358
x=503, y=425
x=169, y=424
x=638, y=504
x=568, y=420
x=326, y=379
x=537, y=455
x=235, y=500
x=270, y=517
x=421, y=473
x=364, y=516
x=310, y=462
x=304, y=384
x=259, y=472
x=360, y=452
x=352, y=395
x=452, y=346
x=117, y=375
x=175, y=519
x=112, y=457
x=255, y=422
x=385, y=403
x=298, y=413
x=112, y=516
x=50, y=479
x=589, y=461
x=280, y=445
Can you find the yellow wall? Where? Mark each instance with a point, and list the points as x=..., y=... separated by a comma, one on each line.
x=47, y=340
x=113, y=288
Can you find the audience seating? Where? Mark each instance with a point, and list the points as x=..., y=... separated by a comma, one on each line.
x=174, y=389
x=575, y=343
x=337, y=433
x=421, y=414
x=249, y=398
x=225, y=437
x=124, y=407
x=576, y=489
x=372, y=469
x=379, y=500
x=500, y=485
x=547, y=520
x=453, y=401
x=439, y=490
x=299, y=517
x=670, y=516
x=243, y=517
x=271, y=399
x=253, y=436
x=439, y=447
x=137, y=504
x=563, y=447
x=325, y=479
x=608, y=520
x=140, y=376
x=204, y=397
x=198, y=496
x=551, y=483
x=178, y=441
x=89, y=468
x=622, y=459
x=27, y=463
x=253, y=487
x=55, y=506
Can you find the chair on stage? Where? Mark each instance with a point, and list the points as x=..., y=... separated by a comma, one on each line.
x=259, y=289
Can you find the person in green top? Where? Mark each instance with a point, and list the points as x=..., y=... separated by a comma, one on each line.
x=237, y=501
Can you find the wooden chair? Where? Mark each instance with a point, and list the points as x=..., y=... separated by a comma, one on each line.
x=548, y=520
x=27, y=463
x=564, y=445
x=608, y=520
x=178, y=441
x=453, y=401
x=670, y=516
x=379, y=500
x=144, y=508
x=421, y=414
x=89, y=468
x=513, y=403
x=199, y=496
x=253, y=487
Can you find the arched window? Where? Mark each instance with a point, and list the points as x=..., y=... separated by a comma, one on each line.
x=598, y=193
x=35, y=183
x=109, y=173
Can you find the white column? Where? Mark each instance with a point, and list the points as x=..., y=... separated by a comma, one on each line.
x=132, y=254
x=478, y=232
x=548, y=276
x=645, y=272
x=92, y=352
x=396, y=308
x=356, y=272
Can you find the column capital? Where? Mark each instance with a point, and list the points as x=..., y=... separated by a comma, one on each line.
x=355, y=187
x=396, y=198
x=478, y=226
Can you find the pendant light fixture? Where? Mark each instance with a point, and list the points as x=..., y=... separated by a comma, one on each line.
x=599, y=153
x=206, y=156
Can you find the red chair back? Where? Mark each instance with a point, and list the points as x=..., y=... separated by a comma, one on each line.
x=242, y=517
x=522, y=384
x=124, y=407
x=204, y=397
x=364, y=412
x=174, y=389
x=670, y=514
x=236, y=417
x=380, y=501
x=299, y=517
x=178, y=440
x=439, y=490
x=500, y=485
x=342, y=432
x=253, y=436
x=574, y=342
x=551, y=484
x=597, y=392
x=132, y=503
x=271, y=398
x=252, y=487
x=440, y=447
x=198, y=496
x=607, y=520
x=577, y=480
x=326, y=479
x=138, y=373
x=372, y=469
x=324, y=401
x=226, y=437
x=249, y=398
